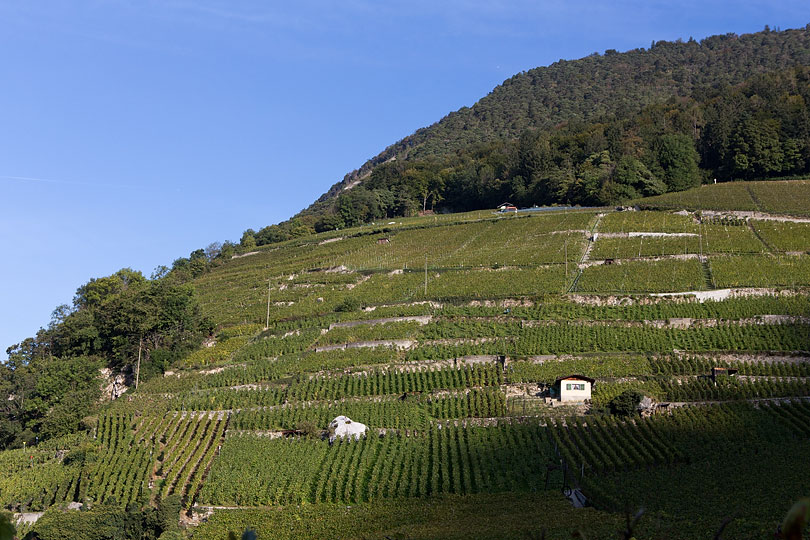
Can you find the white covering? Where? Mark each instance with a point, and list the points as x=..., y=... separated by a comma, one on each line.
x=343, y=426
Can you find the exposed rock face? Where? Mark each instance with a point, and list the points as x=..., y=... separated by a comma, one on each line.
x=113, y=384
x=343, y=426
x=646, y=406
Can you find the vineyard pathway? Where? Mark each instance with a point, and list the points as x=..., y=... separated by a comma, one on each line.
x=583, y=262
x=761, y=216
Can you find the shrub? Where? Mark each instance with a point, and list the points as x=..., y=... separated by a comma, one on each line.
x=626, y=403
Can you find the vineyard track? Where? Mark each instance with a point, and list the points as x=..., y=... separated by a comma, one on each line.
x=641, y=234
x=391, y=343
x=421, y=319
x=757, y=216
x=520, y=418
x=780, y=400
x=674, y=322
x=759, y=237
x=590, y=241
x=613, y=299
x=651, y=258
x=412, y=365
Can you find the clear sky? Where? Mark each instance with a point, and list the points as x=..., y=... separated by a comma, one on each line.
x=133, y=132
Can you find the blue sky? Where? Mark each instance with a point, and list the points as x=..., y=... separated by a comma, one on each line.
x=133, y=132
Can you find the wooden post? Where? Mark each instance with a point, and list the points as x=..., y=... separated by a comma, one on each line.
x=267, y=320
x=566, y=258
x=425, y=275
x=138, y=369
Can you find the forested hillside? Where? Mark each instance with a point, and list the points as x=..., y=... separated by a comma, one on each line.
x=601, y=129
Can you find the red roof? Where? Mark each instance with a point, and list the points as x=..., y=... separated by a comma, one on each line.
x=576, y=378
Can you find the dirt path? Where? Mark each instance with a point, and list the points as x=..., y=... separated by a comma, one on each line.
x=760, y=216
x=402, y=344
x=421, y=319
x=642, y=234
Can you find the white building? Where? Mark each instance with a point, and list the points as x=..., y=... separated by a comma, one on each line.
x=573, y=388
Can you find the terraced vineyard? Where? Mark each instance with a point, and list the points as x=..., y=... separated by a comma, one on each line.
x=444, y=335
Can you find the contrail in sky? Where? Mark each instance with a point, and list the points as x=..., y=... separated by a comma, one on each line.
x=64, y=182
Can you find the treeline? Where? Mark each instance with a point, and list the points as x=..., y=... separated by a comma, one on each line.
x=596, y=86
x=591, y=131
x=50, y=382
x=757, y=130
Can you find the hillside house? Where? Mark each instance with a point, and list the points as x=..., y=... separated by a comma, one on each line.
x=507, y=207
x=573, y=388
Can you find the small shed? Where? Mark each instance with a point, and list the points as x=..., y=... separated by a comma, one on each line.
x=573, y=387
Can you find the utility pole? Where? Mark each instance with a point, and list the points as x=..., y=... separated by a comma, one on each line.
x=267, y=320
x=425, y=275
x=138, y=369
x=566, y=258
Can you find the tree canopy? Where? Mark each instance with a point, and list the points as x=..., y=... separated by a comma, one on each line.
x=50, y=382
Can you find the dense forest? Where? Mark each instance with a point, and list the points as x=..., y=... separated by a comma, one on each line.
x=760, y=129
x=601, y=129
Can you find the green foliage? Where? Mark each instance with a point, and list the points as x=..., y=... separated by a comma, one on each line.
x=765, y=443
x=103, y=523
x=414, y=411
x=784, y=236
x=779, y=197
x=590, y=366
x=486, y=516
x=220, y=352
x=761, y=271
x=7, y=529
x=258, y=470
x=643, y=276
x=626, y=403
x=52, y=380
x=679, y=160
x=467, y=160
x=111, y=522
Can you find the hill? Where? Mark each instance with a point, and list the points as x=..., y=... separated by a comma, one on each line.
x=598, y=130
x=445, y=336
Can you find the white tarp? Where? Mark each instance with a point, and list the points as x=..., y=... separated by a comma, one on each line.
x=343, y=426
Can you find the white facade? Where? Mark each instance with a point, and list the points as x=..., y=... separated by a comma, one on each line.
x=573, y=389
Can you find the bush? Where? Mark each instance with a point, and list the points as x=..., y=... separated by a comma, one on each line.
x=349, y=304
x=626, y=403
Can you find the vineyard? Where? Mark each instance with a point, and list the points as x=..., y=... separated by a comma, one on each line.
x=452, y=460
x=446, y=336
x=778, y=197
x=717, y=444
